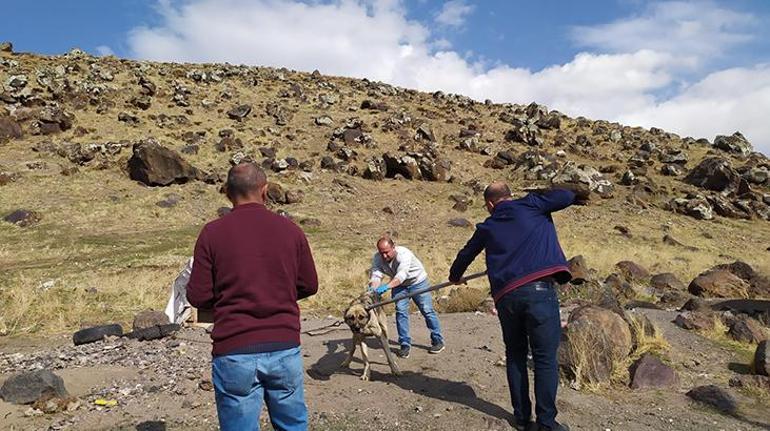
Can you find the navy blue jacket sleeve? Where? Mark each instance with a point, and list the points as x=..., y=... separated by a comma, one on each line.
x=552, y=200
x=465, y=256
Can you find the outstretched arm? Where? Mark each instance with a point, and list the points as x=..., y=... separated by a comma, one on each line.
x=466, y=255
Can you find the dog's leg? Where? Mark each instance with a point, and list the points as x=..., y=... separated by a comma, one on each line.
x=346, y=362
x=365, y=354
x=389, y=355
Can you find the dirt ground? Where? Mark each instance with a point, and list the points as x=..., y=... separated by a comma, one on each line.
x=463, y=388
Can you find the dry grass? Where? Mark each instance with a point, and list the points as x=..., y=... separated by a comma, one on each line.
x=718, y=334
x=102, y=230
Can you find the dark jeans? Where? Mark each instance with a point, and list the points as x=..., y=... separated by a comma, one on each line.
x=529, y=316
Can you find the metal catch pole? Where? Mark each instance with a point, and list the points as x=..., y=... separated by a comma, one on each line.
x=427, y=289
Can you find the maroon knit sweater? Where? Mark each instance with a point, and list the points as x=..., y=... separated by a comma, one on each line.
x=251, y=266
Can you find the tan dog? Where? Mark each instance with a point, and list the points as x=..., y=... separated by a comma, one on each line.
x=372, y=323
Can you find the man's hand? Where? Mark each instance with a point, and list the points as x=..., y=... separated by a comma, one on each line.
x=379, y=289
x=581, y=191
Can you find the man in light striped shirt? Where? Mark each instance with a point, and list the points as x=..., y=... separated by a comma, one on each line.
x=407, y=274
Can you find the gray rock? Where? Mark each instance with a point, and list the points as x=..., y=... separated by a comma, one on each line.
x=239, y=112
x=693, y=320
x=459, y=222
x=716, y=174
x=26, y=388
x=579, y=270
x=23, y=218
x=714, y=396
x=149, y=318
x=666, y=280
x=746, y=330
x=9, y=129
x=650, y=372
x=324, y=120
x=734, y=144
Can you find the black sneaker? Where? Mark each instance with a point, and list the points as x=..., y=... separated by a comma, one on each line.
x=556, y=427
x=436, y=348
x=404, y=352
x=525, y=426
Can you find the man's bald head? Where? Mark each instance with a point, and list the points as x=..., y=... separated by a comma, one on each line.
x=496, y=191
x=245, y=181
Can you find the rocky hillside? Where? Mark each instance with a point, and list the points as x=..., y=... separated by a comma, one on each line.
x=108, y=168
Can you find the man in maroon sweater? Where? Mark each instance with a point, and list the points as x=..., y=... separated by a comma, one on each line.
x=251, y=266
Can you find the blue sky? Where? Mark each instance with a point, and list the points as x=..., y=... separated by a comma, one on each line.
x=696, y=67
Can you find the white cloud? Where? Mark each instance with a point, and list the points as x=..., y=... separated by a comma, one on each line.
x=453, y=13
x=721, y=103
x=374, y=39
x=693, y=29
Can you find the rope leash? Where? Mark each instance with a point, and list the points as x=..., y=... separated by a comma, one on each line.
x=421, y=291
x=317, y=331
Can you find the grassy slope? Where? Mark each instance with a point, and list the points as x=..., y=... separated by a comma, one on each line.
x=101, y=230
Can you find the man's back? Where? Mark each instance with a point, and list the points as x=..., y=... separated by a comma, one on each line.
x=252, y=266
x=520, y=242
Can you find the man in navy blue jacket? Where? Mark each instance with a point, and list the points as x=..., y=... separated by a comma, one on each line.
x=524, y=261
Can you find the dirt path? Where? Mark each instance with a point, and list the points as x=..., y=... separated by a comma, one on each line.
x=158, y=385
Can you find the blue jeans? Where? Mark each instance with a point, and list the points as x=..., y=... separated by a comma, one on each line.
x=242, y=381
x=425, y=305
x=529, y=317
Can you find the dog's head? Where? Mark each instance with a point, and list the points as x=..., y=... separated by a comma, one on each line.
x=356, y=317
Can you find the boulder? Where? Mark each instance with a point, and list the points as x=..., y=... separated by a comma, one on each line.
x=275, y=193
x=759, y=285
x=375, y=169
x=239, y=112
x=714, y=396
x=666, y=281
x=436, y=169
x=650, y=372
x=694, y=320
x=696, y=304
x=148, y=319
x=424, y=131
x=718, y=283
x=405, y=166
x=633, y=271
x=594, y=342
x=734, y=144
x=579, y=270
x=620, y=286
x=762, y=358
x=716, y=174
x=28, y=387
x=746, y=330
x=23, y=218
x=584, y=175
x=155, y=165
x=9, y=129
x=52, y=119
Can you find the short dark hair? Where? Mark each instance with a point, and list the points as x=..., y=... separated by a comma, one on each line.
x=245, y=179
x=496, y=191
x=386, y=238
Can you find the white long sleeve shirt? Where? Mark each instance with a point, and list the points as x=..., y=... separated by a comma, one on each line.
x=405, y=266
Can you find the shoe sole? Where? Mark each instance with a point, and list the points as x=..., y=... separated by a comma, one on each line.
x=437, y=351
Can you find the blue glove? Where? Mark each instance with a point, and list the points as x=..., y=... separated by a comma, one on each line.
x=382, y=289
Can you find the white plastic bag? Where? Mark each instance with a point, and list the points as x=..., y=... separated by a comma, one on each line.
x=178, y=309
